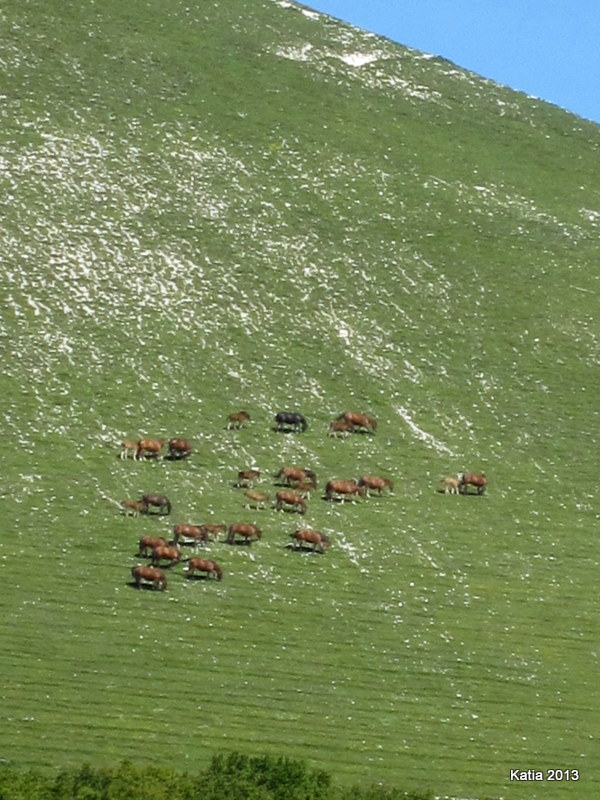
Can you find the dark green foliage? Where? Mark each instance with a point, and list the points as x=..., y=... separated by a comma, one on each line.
x=235, y=776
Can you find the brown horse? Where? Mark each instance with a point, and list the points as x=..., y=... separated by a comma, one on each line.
x=449, y=485
x=128, y=447
x=184, y=531
x=246, y=478
x=340, y=428
x=293, y=500
x=168, y=553
x=376, y=484
x=149, y=543
x=295, y=475
x=343, y=490
x=246, y=530
x=151, y=574
x=359, y=422
x=204, y=565
x=213, y=529
x=256, y=500
x=476, y=479
x=159, y=501
x=148, y=448
x=132, y=508
x=316, y=538
x=179, y=448
x=237, y=420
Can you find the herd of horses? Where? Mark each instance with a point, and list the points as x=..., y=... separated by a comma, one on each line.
x=294, y=486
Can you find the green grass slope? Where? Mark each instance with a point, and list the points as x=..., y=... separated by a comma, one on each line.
x=249, y=205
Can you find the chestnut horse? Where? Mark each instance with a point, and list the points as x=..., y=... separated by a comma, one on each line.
x=340, y=428
x=168, y=553
x=246, y=478
x=290, y=421
x=132, y=507
x=179, y=448
x=476, y=479
x=237, y=420
x=359, y=421
x=375, y=483
x=246, y=530
x=151, y=574
x=295, y=475
x=212, y=529
x=316, y=538
x=160, y=501
x=149, y=543
x=184, y=531
x=148, y=447
x=292, y=499
x=204, y=565
x=345, y=489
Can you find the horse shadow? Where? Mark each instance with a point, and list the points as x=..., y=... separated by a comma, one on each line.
x=143, y=587
x=303, y=548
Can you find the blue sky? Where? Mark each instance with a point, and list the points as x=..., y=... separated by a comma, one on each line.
x=546, y=48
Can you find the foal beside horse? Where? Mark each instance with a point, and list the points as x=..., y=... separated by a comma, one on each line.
x=237, y=420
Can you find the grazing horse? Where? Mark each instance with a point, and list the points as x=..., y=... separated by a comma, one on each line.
x=246, y=530
x=151, y=574
x=184, y=531
x=316, y=538
x=292, y=476
x=160, y=501
x=237, y=420
x=256, y=500
x=292, y=499
x=344, y=489
x=359, y=421
x=212, y=529
x=450, y=485
x=148, y=448
x=340, y=428
x=375, y=483
x=132, y=508
x=149, y=543
x=128, y=447
x=477, y=479
x=204, y=565
x=179, y=448
x=246, y=478
x=290, y=421
x=168, y=553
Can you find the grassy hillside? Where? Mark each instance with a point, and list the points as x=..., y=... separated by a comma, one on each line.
x=248, y=205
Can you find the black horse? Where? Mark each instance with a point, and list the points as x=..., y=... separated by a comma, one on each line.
x=290, y=421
